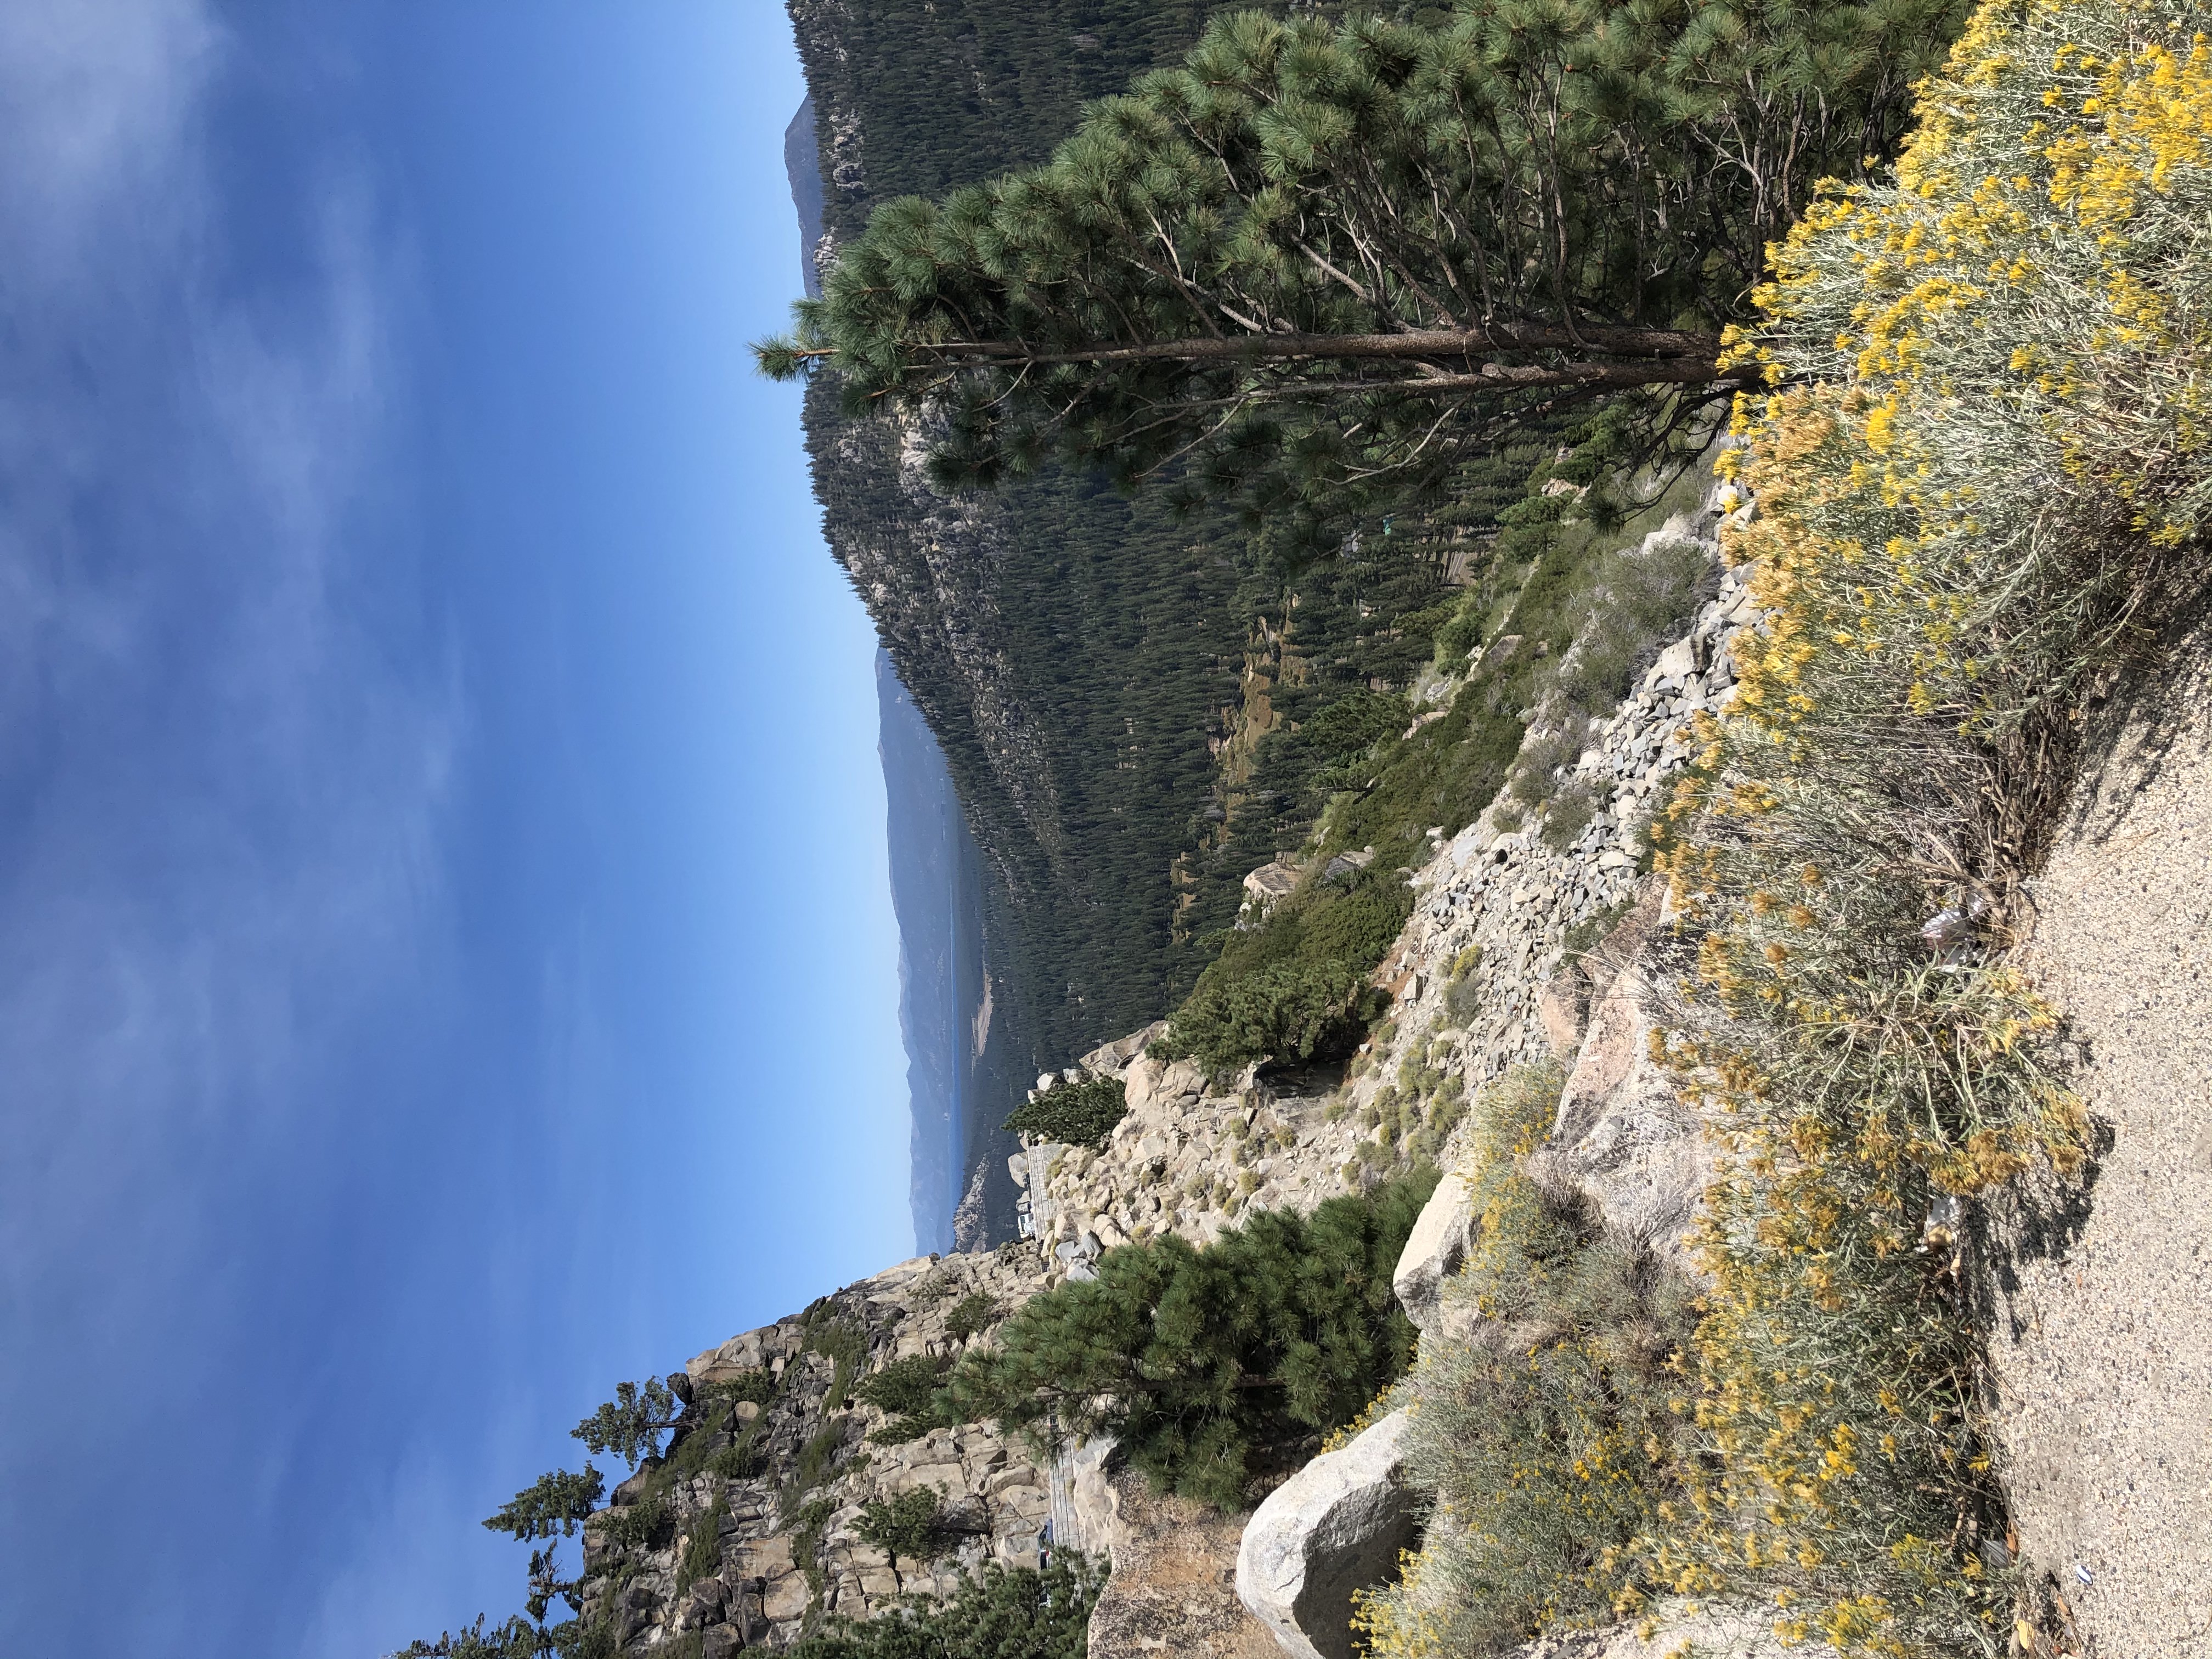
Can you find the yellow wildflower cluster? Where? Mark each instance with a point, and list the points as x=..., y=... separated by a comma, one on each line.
x=1979, y=469
x=1980, y=473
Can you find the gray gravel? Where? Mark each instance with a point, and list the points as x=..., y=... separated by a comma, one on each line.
x=2104, y=1305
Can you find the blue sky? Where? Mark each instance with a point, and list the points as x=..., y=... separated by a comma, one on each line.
x=446, y=955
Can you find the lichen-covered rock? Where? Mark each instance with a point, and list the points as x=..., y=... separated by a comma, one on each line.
x=1623, y=1137
x=1336, y=1527
x=1435, y=1250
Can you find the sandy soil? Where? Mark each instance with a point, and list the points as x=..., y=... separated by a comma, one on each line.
x=1173, y=1594
x=2103, y=1297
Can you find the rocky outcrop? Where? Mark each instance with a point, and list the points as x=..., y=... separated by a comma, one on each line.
x=1190, y=1156
x=1336, y=1527
x=767, y=1477
x=1435, y=1250
x=1268, y=885
x=1623, y=1138
x=1505, y=902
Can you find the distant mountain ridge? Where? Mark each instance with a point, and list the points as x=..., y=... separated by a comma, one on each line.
x=1098, y=672
x=937, y=894
x=1072, y=653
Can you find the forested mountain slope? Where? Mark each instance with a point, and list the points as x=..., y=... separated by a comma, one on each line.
x=1081, y=656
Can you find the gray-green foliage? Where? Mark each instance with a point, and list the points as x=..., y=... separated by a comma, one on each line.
x=1544, y=1442
x=702, y=1547
x=1078, y=1113
x=1636, y=600
x=757, y=1385
x=1462, y=989
x=843, y=1343
x=1295, y=985
x=903, y=1385
x=745, y=1459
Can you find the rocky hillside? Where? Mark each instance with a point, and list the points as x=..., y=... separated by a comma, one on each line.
x=1527, y=947
x=1499, y=964
x=1095, y=667
x=744, y=1532
x=757, y=1535
x=1066, y=652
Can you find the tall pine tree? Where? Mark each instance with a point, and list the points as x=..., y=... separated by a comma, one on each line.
x=1321, y=257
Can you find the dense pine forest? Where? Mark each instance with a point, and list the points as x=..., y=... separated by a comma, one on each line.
x=1102, y=673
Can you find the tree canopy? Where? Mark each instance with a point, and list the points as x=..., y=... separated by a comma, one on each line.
x=556, y=1502
x=1316, y=256
x=1198, y=1360
x=631, y=1424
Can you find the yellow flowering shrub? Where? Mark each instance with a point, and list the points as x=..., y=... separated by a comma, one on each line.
x=1980, y=478
x=1980, y=481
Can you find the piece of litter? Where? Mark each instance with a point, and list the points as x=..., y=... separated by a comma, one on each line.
x=2082, y=1573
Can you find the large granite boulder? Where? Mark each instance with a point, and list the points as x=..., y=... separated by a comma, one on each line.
x=1624, y=1136
x=1336, y=1527
x=1435, y=1250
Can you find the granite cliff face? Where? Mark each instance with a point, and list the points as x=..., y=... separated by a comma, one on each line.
x=751, y=1536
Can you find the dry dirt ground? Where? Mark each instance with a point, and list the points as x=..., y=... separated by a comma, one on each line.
x=2104, y=1297
x=1173, y=1593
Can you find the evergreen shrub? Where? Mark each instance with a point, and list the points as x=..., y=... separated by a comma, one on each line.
x=978, y=1311
x=909, y=1528
x=999, y=1613
x=903, y=1386
x=1282, y=1011
x=647, y=1524
x=1077, y=1114
x=1295, y=986
x=1207, y=1364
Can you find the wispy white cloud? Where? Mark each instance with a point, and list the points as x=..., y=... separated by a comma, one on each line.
x=102, y=96
x=225, y=749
